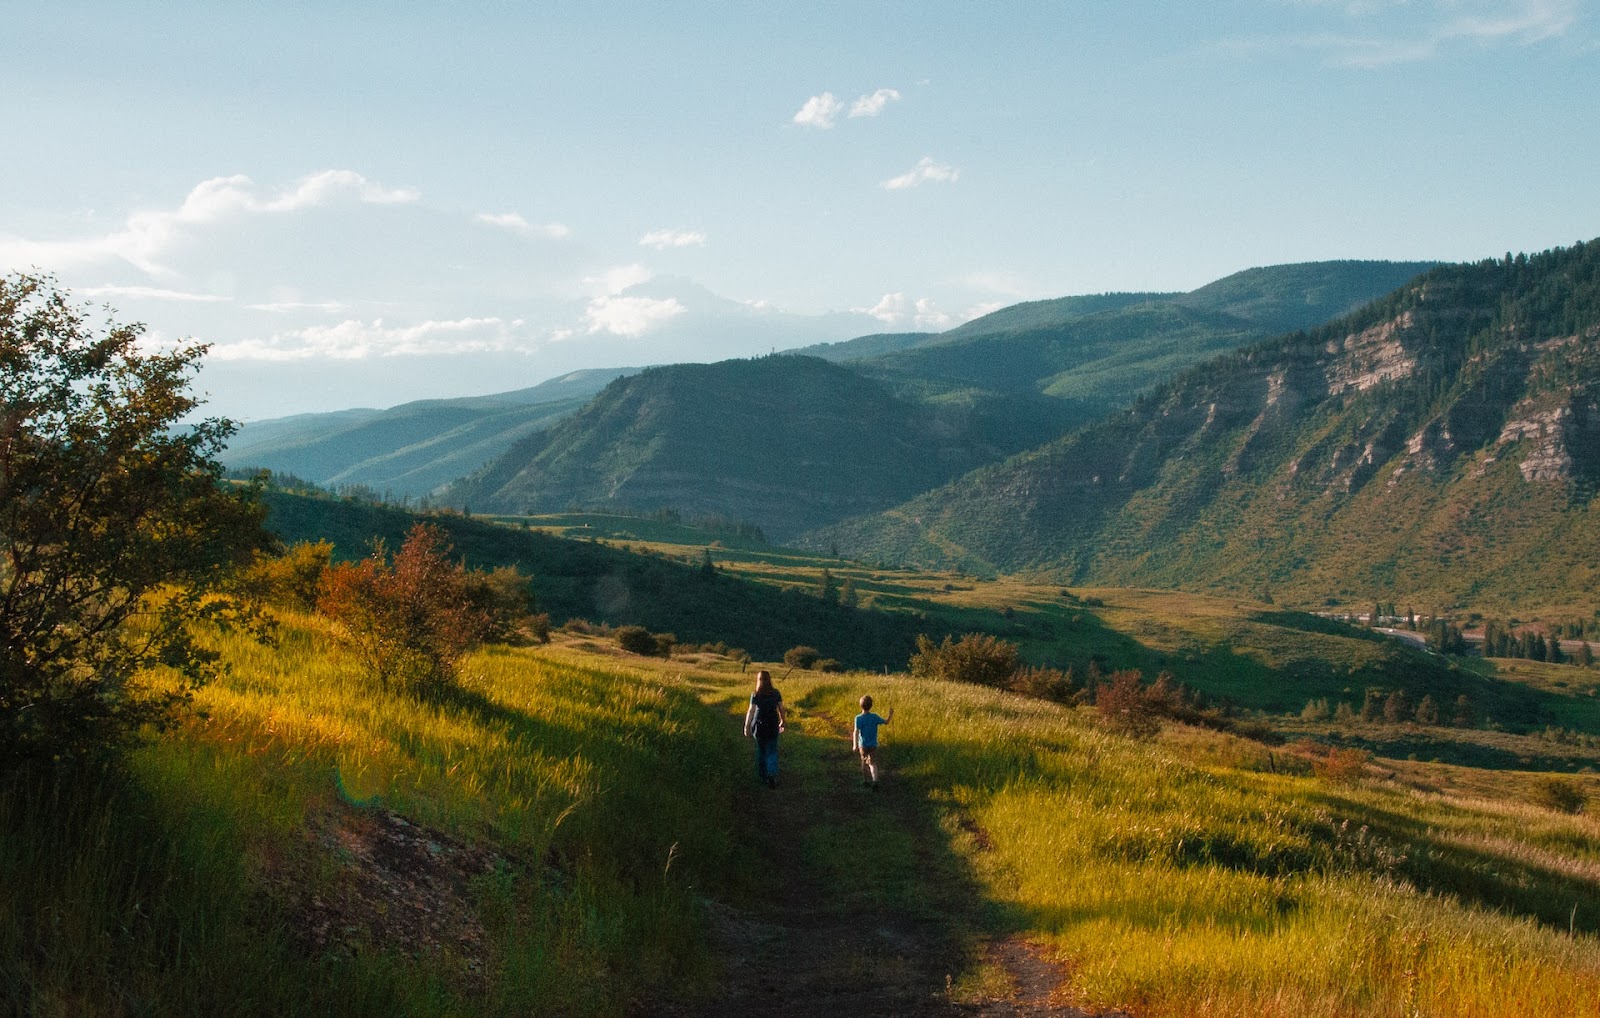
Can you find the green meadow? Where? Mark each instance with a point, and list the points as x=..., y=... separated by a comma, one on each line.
x=578, y=831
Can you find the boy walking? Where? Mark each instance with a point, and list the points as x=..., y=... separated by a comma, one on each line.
x=864, y=740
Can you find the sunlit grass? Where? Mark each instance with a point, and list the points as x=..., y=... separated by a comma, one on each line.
x=1177, y=888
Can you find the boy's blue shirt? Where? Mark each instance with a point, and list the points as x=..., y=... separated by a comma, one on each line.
x=867, y=728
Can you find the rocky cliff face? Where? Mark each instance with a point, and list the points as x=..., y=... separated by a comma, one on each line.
x=1445, y=435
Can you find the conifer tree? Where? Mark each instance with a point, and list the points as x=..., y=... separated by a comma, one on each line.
x=1427, y=711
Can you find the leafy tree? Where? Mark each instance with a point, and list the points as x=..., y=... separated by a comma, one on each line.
x=116, y=533
x=411, y=622
x=976, y=657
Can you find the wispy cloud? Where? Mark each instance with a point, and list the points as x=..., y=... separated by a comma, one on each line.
x=927, y=169
x=663, y=239
x=1382, y=33
x=354, y=339
x=151, y=293
x=516, y=224
x=287, y=306
x=819, y=111
x=630, y=316
x=147, y=236
x=872, y=105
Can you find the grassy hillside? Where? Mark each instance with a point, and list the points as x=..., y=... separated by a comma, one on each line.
x=664, y=591
x=1437, y=448
x=787, y=442
x=575, y=832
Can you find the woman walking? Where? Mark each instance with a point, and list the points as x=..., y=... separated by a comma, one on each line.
x=764, y=720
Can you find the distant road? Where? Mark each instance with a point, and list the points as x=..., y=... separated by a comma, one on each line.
x=1406, y=636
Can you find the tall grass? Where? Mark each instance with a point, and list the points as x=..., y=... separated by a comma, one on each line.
x=146, y=891
x=1180, y=889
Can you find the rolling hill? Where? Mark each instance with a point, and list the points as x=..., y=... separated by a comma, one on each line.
x=1441, y=444
x=795, y=442
x=414, y=448
x=787, y=442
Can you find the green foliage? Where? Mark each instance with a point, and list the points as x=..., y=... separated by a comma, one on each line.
x=409, y=622
x=636, y=640
x=977, y=657
x=115, y=532
x=588, y=580
x=801, y=656
x=290, y=579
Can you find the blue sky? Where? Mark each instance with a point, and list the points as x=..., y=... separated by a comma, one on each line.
x=359, y=204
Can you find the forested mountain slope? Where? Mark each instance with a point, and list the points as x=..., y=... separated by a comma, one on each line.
x=786, y=442
x=1441, y=444
x=413, y=448
x=1097, y=352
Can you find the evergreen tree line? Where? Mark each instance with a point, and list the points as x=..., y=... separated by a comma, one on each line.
x=1394, y=707
x=1500, y=640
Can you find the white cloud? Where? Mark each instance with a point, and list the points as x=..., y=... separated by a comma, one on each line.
x=923, y=313
x=872, y=105
x=926, y=169
x=516, y=224
x=663, y=239
x=354, y=339
x=150, y=293
x=1396, y=32
x=619, y=278
x=630, y=316
x=147, y=235
x=820, y=111
x=286, y=306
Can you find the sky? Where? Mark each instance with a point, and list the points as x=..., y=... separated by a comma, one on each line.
x=362, y=204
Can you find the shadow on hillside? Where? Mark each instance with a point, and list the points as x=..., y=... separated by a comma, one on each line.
x=1390, y=843
x=865, y=902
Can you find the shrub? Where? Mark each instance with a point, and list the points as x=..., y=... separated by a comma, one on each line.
x=1124, y=707
x=977, y=657
x=504, y=597
x=828, y=665
x=1043, y=682
x=636, y=640
x=664, y=643
x=801, y=656
x=1560, y=794
x=290, y=579
x=410, y=622
x=1342, y=766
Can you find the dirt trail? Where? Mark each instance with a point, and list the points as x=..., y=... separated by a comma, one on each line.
x=867, y=910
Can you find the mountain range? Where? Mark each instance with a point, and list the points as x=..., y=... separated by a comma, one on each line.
x=905, y=412
x=1440, y=444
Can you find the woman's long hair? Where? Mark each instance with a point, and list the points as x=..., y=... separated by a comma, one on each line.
x=763, y=681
